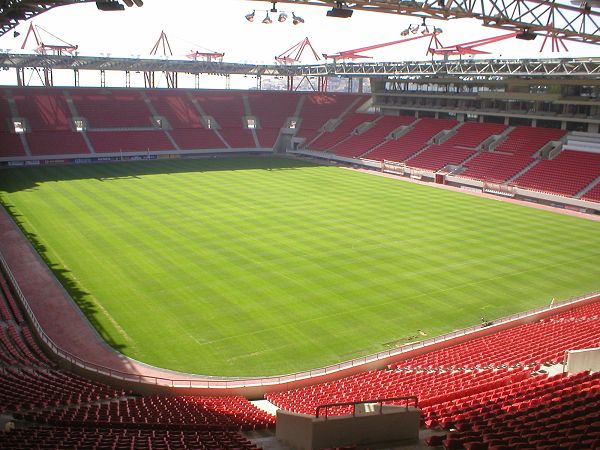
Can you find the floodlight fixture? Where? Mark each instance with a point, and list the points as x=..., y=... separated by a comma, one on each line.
x=526, y=35
x=282, y=17
x=250, y=17
x=267, y=20
x=437, y=30
x=340, y=10
x=109, y=5
x=297, y=19
x=405, y=32
x=16, y=34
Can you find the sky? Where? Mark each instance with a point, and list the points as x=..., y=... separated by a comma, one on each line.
x=219, y=25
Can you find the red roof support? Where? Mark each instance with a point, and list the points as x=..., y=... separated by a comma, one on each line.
x=293, y=54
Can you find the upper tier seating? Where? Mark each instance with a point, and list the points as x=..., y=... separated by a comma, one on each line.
x=227, y=108
x=176, y=107
x=45, y=109
x=567, y=174
x=318, y=108
x=100, y=107
x=344, y=129
x=593, y=194
x=361, y=143
x=10, y=143
x=272, y=108
x=412, y=141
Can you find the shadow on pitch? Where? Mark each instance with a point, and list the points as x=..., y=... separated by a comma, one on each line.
x=24, y=178
x=79, y=296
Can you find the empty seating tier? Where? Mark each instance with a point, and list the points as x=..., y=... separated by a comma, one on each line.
x=412, y=141
x=176, y=107
x=593, y=194
x=318, y=108
x=129, y=141
x=112, y=108
x=567, y=174
x=45, y=109
x=343, y=131
x=472, y=134
x=436, y=157
x=358, y=144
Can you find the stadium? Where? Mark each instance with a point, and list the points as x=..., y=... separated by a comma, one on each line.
x=341, y=254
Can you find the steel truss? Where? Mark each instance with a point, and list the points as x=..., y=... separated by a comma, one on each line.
x=485, y=68
x=558, y=18
x=14, y=11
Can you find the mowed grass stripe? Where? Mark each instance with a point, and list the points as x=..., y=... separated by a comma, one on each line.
x=258, y=266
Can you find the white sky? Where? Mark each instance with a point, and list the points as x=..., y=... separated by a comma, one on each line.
x=220, y=25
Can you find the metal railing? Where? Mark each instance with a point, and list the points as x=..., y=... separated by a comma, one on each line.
x=407, y=399
x=246, y=382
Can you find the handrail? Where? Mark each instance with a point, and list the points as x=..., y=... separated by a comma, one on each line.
x=244, y=382
x=380, y=401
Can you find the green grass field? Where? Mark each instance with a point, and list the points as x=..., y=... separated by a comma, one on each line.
x=258, y=266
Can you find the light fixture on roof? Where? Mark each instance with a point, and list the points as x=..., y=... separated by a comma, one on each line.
x=16, y=34
x=297, y=19
x=281, y=17
x=437, y=30
x=405, y=32
x=109, y=5
x=340, y=10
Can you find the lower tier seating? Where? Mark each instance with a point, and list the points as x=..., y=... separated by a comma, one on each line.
x=129, y=141
x=567, y=174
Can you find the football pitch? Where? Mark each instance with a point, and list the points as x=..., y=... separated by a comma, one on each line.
x=262, y=266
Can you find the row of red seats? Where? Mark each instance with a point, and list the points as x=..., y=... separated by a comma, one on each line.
x=473, y=134
x=212, y=413
x=414, y=140
x=429, y=386
x=567, y=174
x=35, y=391
x=512, y=155
x=436, y=157
x=593, y=194
x=559, y=411
x=535, y=343
x=329, y=139
x=318, y=108
x=359, y=144
x=75, y=438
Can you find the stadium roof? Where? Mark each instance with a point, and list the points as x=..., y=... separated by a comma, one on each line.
x=587, y=68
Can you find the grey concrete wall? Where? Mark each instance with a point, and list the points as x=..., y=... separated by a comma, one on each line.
x=396, y=424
